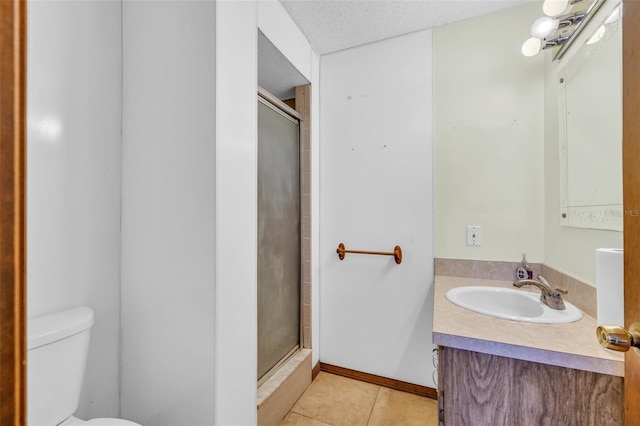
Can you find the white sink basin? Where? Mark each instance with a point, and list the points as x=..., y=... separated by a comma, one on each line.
x=511, y=304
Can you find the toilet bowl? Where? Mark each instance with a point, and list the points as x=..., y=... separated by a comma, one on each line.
x=73, y=421
x=57, y=347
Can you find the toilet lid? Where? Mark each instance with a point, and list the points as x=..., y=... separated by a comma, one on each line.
x=110, y=422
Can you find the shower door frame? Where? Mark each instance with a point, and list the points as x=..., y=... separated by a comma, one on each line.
x=288, y=112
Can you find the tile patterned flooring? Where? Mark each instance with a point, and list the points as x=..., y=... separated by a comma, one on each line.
x=335, y=401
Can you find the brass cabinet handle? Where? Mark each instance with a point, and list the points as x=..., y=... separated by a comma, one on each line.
x=616, y=338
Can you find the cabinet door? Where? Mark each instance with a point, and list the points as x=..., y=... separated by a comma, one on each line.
x=481, y=389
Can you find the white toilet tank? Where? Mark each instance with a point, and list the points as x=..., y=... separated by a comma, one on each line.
x=57, y=353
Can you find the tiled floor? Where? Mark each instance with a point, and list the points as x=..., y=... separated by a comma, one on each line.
x=335, y=400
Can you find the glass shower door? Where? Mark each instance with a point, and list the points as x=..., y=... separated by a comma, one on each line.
x=278, y=237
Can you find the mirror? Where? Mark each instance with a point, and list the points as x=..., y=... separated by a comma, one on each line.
x=590, y=129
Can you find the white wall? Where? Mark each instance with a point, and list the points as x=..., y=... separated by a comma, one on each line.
x=73, y=178
x=236, y=214
x=376, y=192
x=489, y=138
x=189, y=213
x=168, y=212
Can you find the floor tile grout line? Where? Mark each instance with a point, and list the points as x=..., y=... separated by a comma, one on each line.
x=310, y=418
x=374, y=405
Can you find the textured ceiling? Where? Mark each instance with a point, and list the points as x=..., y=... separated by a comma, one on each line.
x=332, y=25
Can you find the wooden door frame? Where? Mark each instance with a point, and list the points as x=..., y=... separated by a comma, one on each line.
x=631, y=190
x=12, y=203
x=12, y=212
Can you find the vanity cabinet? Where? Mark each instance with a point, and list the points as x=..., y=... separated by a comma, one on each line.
x=482, y=389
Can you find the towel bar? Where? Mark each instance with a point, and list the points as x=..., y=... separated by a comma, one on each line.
x=396, y=253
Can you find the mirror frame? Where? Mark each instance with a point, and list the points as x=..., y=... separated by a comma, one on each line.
x=573, y=33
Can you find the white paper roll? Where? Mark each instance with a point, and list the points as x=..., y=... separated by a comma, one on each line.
x=610, y=286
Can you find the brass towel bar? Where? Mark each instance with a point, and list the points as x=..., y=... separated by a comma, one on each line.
x=396, y=253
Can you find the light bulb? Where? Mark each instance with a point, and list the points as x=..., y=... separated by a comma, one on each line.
x=597, y=35
x=554, y=7
x=531, y=47
x=544, y=26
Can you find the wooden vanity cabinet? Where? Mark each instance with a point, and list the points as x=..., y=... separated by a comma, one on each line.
x=480, y=389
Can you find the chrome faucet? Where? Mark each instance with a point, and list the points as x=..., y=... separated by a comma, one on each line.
x=550, y=297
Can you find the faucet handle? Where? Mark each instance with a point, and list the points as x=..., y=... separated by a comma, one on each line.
x=543, y=280
x=557, y=291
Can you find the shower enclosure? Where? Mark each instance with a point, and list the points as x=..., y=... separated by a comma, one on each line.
x=278, y=237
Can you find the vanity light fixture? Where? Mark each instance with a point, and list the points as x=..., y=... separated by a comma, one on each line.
x=545, y=26
x=534, y=45
x=556, y=7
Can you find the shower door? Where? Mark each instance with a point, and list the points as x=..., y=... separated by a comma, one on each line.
x=278, y=237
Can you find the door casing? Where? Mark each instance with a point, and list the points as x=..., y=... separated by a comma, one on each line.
x=12, y=206
x=631, y=196
x=12, y=212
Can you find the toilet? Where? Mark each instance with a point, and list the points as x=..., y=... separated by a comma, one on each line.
x=57, y=354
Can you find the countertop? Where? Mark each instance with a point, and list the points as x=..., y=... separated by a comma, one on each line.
x=572, y=345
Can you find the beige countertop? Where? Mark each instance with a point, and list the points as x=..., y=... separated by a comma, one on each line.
x=572, y=345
